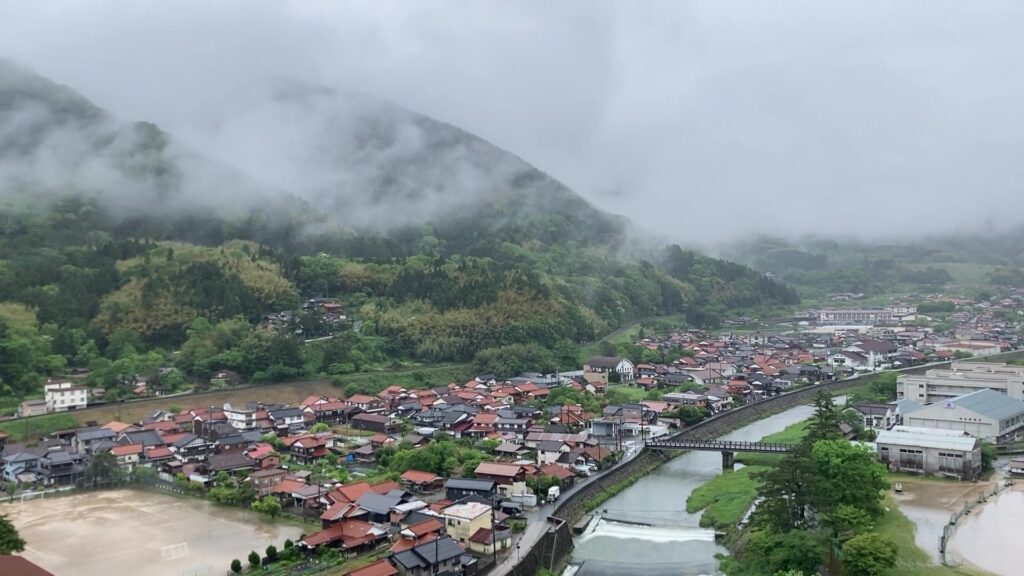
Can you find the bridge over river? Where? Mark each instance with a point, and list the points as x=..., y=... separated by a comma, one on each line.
x=728, y=448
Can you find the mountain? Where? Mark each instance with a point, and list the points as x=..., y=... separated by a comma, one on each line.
x=118, y=241
x=375, y=167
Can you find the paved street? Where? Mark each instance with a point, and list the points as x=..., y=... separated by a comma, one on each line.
x=537, y=519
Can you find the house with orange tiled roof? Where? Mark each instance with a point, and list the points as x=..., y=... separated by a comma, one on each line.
x=308, y=448
x=118, y=427
x=416, y=534
x=127, y=455
x=419, y=481
x=367, y=403
x=349, y=535
x=351, y=492
x=378, y=568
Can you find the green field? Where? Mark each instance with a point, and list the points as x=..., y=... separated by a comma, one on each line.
x=38, y=426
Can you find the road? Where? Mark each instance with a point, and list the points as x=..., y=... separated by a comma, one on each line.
x=537, y=525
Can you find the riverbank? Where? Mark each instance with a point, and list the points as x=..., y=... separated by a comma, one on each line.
x=724, y=500
x=647, y=527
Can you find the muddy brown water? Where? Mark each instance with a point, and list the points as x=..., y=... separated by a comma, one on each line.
x=989, y=537
x=929, y=504
x=139, y=532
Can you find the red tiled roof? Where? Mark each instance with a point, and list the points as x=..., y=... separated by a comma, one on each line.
x=172, y=438
x=162, y=425
x=352, y=492
x=481, y=536
x=351, y=533
x=425, y=527
x=557, y=471
x=419, y=477
x=260, y=450
x=288, y=486
x=362, y=399
x=126, y=450
x=498, y=469
x=159, y=453
x=378, y=568
x=403, y=544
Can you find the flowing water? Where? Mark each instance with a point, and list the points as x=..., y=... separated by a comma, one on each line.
x=140, y=532
x=673, y=543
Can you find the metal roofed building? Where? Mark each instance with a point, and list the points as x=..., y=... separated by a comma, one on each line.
x=951, y=453
x=985, y=414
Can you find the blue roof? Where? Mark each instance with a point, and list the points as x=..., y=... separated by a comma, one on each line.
x=990, y=404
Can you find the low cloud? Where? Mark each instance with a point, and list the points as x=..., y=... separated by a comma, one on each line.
x=701, y=122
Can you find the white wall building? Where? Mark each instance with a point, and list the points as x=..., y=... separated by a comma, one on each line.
x=938, y=385
x=984, y=414
x=64, y=396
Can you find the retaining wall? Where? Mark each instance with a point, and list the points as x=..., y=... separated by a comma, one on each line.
x=554, y=547
x=573, y=507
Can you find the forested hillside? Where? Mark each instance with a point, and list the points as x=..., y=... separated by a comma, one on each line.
x=823, y=266
x=113, y=274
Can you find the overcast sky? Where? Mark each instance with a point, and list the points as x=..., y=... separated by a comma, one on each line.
x=700, y=120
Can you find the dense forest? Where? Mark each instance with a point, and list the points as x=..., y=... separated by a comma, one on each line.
x=135, y=276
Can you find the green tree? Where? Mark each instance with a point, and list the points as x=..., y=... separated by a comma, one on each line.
x=788, y=490
x=320, y=427
x=854, y=476
x=236, y=565
x=272, y=553
x=268, y=505
x=869, y=555
x=988, y=455
x=824, y=424
x=288, y=544
x=10, y=540
x=254, y=559
x=691, y=415
x=800, y=550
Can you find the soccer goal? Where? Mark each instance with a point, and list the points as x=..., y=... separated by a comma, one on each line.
x=174, y=551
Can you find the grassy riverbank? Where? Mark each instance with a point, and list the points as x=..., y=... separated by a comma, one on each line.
x=727, y=497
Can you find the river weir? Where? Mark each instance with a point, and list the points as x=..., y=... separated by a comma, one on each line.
x=646, y=527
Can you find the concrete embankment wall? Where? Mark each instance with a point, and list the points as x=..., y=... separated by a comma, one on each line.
x=554, y=547
x=573, y=507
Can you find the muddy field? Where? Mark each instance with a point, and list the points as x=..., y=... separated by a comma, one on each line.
x=988, y=537
x=929, y=504
x=138, y=532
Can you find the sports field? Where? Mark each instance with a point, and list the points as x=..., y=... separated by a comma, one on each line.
x=121, y=532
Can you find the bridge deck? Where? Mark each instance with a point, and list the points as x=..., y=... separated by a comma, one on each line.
x=721, y=446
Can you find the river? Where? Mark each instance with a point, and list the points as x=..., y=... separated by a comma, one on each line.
x=140, y=532
x=674, y=544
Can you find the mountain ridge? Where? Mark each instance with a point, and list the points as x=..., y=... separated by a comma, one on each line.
x=517, y=264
